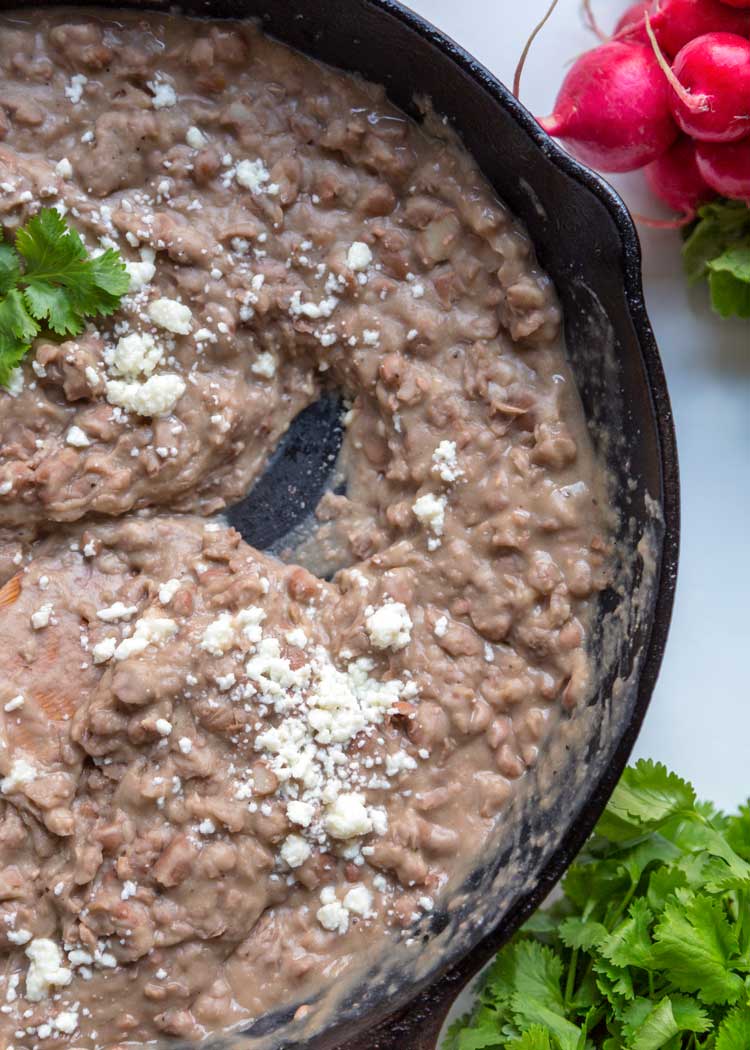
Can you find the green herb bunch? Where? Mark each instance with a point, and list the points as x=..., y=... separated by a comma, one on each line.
x=717, y=248
x=49, y=281
x=649, y=946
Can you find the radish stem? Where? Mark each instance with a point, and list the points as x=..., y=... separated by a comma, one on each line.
x=524, y=54
x=695, y=103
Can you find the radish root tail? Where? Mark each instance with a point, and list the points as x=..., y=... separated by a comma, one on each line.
x=525, y=53
x=591, y=22
x=695, y=103
x=664, y=224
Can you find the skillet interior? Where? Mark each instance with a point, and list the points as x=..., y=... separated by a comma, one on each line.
x=585, y=240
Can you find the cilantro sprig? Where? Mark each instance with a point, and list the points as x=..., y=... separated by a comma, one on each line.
x=717, y=248
x=49, y=282
x=648, y=948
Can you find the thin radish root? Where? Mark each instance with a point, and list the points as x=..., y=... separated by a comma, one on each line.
x=695, y=103
x=591, y=22
x=525, y=53
x=664, y=224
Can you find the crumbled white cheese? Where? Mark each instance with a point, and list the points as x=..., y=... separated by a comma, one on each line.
x=64, y=168
x=118, y=611
x=77, y=438
x=45, y=970
x=14, y=704
x=135, y=354
x=222, y=634
x=300, y=813
x=104, y=650
x=295, y=851
x=19, y=936
x=156, y=397
x=254, y=176
x=163, y=726
x=129, y=889
x=389, y=626
x=347, y=816
x=296, y=637
x=153, y=631
x=358, y=900
x=359, y=256
x=66, y=1022
x=6, y=487
x=332, y=915
x=21, y=772
x=445, y=462
x=207, y=827
x=168, y=590
x=313, y=310
x=185, y=745
x=74, y=90
x=441, y=626
x=172, y=315
x=164, y=94
x=399, y=762
x=264, y=365
x=41, y=618
x=219, y=636
x=142, y=273
x=226, y=681
x=195, y=138
x=15, y=383
x=430, y=509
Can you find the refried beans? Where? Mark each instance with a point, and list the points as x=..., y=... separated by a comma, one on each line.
x=225, y=779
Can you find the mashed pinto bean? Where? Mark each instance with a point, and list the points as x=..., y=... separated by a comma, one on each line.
x=226, y=780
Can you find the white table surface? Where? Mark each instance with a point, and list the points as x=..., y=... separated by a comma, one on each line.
x=699, y=720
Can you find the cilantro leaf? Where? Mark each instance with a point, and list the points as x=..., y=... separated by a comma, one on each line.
x=64, y=285
x=734, y=1030
x=9, y=269
x=49, y=280
x=663, y=1022
x=534, y=1038
x=720, y=225
x=718, y=247
x=17, y=329
x=582, y=933
x=729, y=283
x=696, y=944
x=630, y=944
x=646, y=797
x=738, y=832
x=537, y=998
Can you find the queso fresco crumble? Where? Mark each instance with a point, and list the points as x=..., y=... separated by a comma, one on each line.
x=228, y=782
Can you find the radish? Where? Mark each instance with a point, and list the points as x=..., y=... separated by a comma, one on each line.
x=613, y=108
x=737, y=3
x=676, y=179
x=711, y=81
x=677, y=22
x=726, y=167
x=631, y=25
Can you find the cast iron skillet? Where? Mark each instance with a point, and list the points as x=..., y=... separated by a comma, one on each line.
x=586, y=240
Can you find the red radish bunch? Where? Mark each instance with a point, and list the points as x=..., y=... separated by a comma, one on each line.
x=668, y=92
